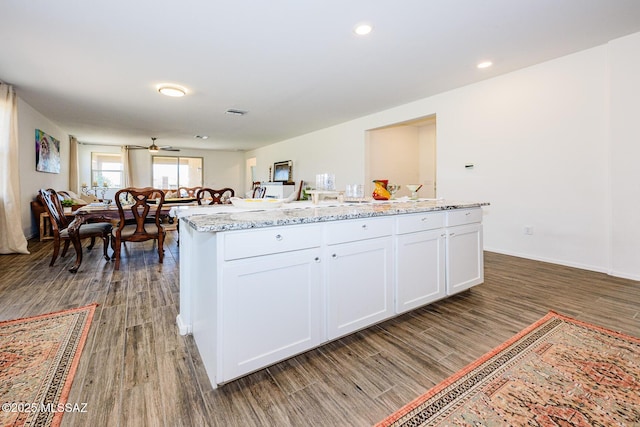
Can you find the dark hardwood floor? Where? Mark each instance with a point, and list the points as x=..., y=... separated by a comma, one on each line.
x=136, y=370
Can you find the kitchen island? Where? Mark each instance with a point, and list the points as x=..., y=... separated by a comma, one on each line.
x=260, y=286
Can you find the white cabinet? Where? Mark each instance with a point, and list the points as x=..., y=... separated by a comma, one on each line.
x=358, y=274
x=420, y=269
x=420, y=260
x=465, y=261
x=259, y=296
x=271, y=309
x=270, y=297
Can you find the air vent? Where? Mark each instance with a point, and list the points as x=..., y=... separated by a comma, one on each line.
x=234, y=112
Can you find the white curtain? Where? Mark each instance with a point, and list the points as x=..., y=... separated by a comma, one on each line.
x=12, y=239
x=73, y=165
x=126, y=170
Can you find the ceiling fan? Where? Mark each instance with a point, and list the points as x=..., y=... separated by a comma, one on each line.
x=153, y=148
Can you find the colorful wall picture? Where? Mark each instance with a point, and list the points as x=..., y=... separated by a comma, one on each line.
x=47, y=153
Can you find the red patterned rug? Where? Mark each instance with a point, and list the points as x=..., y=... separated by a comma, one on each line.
x=557, y=372
x=38, y=359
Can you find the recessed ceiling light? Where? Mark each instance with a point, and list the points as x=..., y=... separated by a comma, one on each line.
x=362, y=29
x=172, y=90
x=485, y=64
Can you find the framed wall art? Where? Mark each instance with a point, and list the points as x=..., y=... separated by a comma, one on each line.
x=47, y=153
x=282, y=171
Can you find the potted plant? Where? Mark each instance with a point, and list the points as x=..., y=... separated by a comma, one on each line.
x=67, y=204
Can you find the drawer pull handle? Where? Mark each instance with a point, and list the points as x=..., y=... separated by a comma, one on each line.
x=278, y=237
x=468, y=213
x=334, y=256
x=424, y=219
x=364, y=226
x=317, y=259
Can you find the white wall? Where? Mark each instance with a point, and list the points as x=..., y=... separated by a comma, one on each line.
x=31, y=180
x=405, y=154
x=393, y=155
x=538, y=139
x=338, y=149
x=427, y=150
x=221, y=168
x=624, y=135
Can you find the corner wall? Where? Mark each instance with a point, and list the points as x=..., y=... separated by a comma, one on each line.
x=624, y=72
x=31, y=180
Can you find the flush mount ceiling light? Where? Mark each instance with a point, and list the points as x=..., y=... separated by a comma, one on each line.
x=172, y=90
x=484, y=64
x=362, y=29
x=201, y=136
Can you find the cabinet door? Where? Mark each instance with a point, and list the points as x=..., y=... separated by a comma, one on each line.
x=465, y=262
x=420, y=269
x=359, y=279
x=271, y=309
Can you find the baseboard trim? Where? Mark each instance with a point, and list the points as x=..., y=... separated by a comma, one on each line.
x=183, y=328
x=551, y=261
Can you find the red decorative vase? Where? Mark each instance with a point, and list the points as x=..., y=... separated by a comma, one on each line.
x=381, y=192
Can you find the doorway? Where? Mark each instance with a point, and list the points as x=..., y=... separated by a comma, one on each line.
x=403, y=153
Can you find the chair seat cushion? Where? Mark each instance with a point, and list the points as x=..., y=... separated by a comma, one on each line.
x=91, y=229
x=129, y=230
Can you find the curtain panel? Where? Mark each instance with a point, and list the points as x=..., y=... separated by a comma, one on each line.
x=126, y=168
x=12, y=239
x=74, y=184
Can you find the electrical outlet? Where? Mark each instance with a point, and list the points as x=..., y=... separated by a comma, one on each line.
x=528, y=230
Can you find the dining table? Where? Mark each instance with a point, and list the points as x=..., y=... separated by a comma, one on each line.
x=100, y=213
x=177, y=201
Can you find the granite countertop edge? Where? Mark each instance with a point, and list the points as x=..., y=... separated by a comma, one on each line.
x=244, y=220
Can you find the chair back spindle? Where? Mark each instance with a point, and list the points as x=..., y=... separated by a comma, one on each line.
x=140, y=225
x=259, y=192
x=216, y=197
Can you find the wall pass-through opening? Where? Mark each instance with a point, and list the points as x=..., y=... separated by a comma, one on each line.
x=404, y=153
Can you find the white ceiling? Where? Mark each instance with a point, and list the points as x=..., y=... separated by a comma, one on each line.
x=295, y=65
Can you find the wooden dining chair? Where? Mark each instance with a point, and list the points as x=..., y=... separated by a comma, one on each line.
x=218, y=197
x=188, y=191
x=259, y=192
x=59, y=224
x=299, y=192
x=139, y=220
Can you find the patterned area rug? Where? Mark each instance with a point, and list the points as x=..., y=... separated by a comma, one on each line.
x=557, y=372
x=38, y=359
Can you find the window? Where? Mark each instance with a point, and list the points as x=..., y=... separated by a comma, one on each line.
x=169, y=173
x=106, y=170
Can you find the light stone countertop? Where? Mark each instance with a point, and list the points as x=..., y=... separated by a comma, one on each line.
x=227, y=217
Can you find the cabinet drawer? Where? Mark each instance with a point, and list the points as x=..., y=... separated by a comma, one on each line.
x=420, y=222
x=463, y=216
x=256, y=242
x=359, y=229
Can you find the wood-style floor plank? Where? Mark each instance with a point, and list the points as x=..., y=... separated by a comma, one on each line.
x=136, y=370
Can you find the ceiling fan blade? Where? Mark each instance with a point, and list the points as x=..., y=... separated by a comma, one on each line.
x=136, y=147
x=169, y=149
